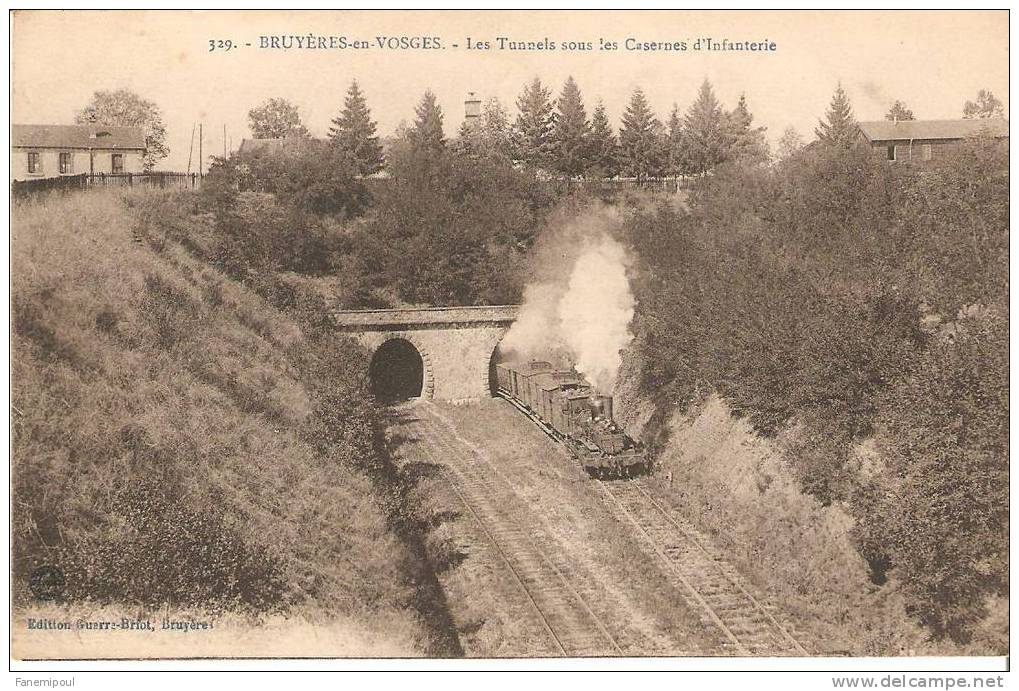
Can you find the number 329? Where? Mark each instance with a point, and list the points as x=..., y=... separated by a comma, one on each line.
x=220, y=44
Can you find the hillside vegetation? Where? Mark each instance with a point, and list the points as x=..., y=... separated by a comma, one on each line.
x=177, y=441
x=181, y=404
x=859, y=311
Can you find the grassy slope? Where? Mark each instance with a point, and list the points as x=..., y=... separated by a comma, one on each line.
x=138, y=365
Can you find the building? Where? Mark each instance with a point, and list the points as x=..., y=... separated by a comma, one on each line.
x=472, y=108
x=926, y=141
x=264, y=147
x=47, y=151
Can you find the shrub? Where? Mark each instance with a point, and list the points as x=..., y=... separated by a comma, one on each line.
x=448, y=229
x=156, y=546
x=942, y=519
x=805, y=296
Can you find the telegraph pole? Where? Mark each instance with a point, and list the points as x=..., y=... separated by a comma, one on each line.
x=191, y=147
x=201, y=161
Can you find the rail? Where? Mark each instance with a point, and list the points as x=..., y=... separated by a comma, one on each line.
x=562, y=610
x=749, y=625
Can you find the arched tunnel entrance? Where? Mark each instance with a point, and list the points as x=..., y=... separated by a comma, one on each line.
x=396, y=371
x=493, y=382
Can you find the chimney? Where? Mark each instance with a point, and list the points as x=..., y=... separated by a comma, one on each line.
x=472, y=107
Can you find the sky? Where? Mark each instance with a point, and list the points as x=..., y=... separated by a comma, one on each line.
x=933, y=61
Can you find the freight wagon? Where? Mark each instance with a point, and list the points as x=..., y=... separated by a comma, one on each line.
x=567, y=407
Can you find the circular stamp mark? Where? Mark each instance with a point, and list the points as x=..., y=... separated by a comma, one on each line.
x=47, y=583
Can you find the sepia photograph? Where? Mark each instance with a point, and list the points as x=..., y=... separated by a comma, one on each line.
x=646, y=339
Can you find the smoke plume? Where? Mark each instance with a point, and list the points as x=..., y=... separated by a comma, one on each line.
x=578, y=307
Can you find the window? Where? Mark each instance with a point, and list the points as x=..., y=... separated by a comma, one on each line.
x=34, y=163
x=926, y=152
x=66, y=163
x=891, y=152
x=117, y=163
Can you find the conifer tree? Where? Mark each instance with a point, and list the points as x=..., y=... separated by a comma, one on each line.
x=570, y=132
x=641, y=148
x=532, y=132
x=674, y=138
x=427, y=130
x=353, y=133
x=839, y=128
x=603, y=161
x=706, y=133
x=746, y=142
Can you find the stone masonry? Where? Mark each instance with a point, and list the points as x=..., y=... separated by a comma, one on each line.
x=455, y=343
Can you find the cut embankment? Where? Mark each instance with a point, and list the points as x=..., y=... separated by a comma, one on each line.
x=738, y=488
x=179, y=443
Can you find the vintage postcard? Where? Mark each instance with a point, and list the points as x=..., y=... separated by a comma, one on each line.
x=492, y=334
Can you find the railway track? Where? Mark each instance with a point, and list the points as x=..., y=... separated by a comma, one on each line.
x=559, y=606
x=559, y=601
x=749, y=626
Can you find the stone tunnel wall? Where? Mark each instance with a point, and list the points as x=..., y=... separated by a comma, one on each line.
x=456, y=357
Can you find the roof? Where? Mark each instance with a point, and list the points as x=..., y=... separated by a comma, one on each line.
x=273, y=146
x=890, y=130
x=259, y=146
x=77, y=137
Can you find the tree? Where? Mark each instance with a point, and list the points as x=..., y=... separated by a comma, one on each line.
x=746, y=142
x=353, y=133
x=489, y=135
x=427, y=130
x=789, y=144
x=603, y=159
x=675, y=165
x=899, y=111
x=987, y=105
x=570, y=132
x=705, y=132
x=532, y=132
x=467, y=221
x=277, y=118
x=124, y=108
x=839, y=128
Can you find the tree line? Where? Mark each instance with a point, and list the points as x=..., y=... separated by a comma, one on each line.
x=555, y=134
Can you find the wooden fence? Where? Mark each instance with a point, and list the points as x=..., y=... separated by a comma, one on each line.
x=85, y=181
x=193, y=181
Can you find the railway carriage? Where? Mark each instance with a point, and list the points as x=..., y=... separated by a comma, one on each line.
x=566, y=406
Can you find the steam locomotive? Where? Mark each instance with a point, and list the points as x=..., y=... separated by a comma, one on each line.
x=566, y=406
